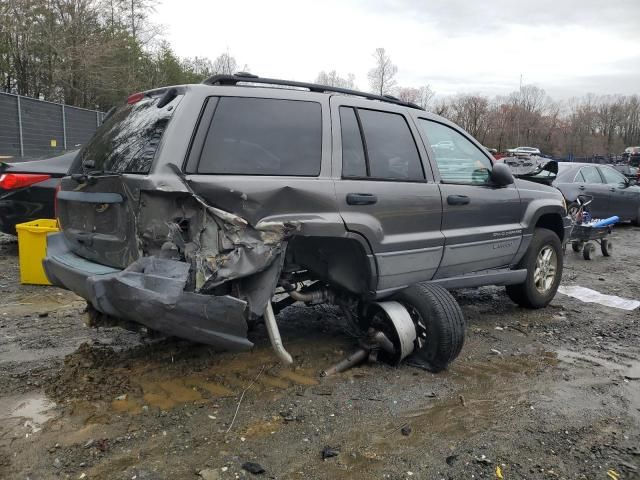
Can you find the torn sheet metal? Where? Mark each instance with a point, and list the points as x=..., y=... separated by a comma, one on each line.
x=227, y=248
x=180, y=265
x=592, y=296
x=533, y=168
x=151, y=292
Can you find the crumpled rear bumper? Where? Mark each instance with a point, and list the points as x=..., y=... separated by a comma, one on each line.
x=150, y=292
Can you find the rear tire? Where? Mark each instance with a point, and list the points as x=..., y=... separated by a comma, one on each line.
x=606, y=247
x=540, y=287
x=440, y=325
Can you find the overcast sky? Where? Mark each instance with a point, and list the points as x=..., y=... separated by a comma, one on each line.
x=567, y=47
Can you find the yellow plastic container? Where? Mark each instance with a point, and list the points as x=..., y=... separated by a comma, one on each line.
x=32, y=248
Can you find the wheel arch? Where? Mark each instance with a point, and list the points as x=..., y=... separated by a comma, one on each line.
x=545, y=215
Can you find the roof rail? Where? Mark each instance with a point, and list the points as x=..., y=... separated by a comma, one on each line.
x=245, y=77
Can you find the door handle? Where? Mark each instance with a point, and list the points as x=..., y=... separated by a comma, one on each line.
x=612, y=189
x=581, y=187
x=458, y=200
x=361, y=199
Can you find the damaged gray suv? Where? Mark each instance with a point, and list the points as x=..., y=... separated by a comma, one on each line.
x=198, y=210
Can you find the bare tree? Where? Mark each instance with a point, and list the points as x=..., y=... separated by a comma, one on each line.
x=224, y=64
x=381, y=77
x=420, y=96
x=332, y=79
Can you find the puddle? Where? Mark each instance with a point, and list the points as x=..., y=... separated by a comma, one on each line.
x=484, y=393
x=35, y=409
x=12, y=353
x=37, y=303
x=163, y=387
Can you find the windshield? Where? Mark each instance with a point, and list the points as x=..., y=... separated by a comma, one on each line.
x=128, y=139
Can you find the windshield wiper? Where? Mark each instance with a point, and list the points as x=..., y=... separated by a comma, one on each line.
x=91, y=177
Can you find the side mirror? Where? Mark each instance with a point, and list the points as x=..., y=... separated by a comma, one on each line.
x=501, y=175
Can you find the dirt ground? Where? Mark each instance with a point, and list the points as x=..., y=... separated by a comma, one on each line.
x=548, y=394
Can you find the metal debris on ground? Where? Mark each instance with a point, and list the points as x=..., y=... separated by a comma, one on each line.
x=329, y=452
x=253, y=467
x=592, y=296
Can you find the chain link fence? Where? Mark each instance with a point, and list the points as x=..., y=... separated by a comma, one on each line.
x=31, y=128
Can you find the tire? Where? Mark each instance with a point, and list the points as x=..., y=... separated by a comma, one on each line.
x=577, y=246
x=439, y=322
x=527, y=294
x=606, y=247
x=589, y=251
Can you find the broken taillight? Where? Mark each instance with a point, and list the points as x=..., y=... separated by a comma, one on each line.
x=135, y=98
x=11, y=181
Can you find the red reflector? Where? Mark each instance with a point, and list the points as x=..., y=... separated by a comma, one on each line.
x=135, y=98
x=11, y=181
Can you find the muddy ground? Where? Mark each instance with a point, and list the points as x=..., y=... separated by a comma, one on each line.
x=548, y=394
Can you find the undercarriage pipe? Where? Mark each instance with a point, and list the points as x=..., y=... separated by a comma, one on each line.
x=274, y=335
x=316, y=296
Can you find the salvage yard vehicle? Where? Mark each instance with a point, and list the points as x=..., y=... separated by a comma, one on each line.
x=27, y=189
x=612, y=192
x=194, y=205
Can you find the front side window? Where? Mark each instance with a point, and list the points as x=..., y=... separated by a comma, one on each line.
x=591, y=175
x=612, y=177
x=458, y=159
x=263, y=136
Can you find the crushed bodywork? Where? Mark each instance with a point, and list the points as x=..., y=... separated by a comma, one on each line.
x=533, y=168
x=195, y=271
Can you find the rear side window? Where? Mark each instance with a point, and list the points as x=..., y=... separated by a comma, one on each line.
x=262, y=136
x=591, y=175
x=391, y=149
x=128, y=139
x=354, y=163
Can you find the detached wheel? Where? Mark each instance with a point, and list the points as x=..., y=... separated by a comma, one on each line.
x=543, y=262
x=577, y=246
x=572, y=210
x=606, y=247
x=589, y=251
x=439, y=325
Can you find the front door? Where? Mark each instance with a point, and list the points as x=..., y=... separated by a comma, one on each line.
x=481, y=222
x=623, y=199
x=383, y=191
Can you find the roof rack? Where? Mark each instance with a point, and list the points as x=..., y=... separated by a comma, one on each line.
x=245, y=77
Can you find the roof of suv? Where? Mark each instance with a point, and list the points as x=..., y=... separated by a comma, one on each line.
x=254, y=80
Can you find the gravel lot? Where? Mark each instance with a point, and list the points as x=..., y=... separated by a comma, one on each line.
x=548, y=394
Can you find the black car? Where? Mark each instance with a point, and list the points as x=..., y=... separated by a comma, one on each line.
x=612, y=192
x=27, y=189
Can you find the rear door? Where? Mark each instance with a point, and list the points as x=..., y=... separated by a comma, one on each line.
x=384, y=192
x=265, y=154
x=590, y=183
x=480, y=222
